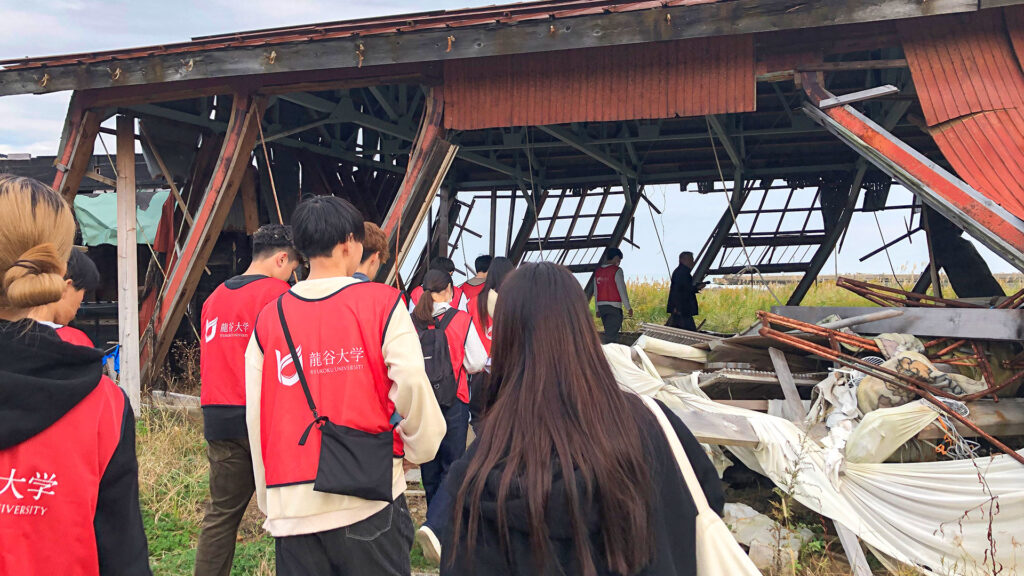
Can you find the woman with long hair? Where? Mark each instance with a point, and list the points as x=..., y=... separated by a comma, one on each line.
x=569, y=474
x=68, y=473
x=467, y=356
x=499, y=270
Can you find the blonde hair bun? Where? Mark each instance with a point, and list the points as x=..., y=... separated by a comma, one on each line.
x=35, y=278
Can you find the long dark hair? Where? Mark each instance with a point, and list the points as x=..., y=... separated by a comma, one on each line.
x=434, y=281
x=554, y=403
x=500, y=268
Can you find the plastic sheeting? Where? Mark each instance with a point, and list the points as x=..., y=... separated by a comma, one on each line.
x=932, y=515
x=97, y=216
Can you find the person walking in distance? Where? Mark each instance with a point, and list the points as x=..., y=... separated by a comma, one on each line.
x=69, y=486
x=611, y=295
x=228, y=319
x=82, y=276
x=570, y=474
x=452, y=353
x=475, y=285
x=682, y=295
x=336, y=396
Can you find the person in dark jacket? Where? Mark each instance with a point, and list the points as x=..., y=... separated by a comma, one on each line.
x=69, y=487
x=682, y=295
x=570, y=474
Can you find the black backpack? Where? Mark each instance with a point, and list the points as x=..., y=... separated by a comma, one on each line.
x=437, y=359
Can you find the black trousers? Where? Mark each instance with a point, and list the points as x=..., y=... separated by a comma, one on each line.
x=377, y=546
x=681, y=321
x=611, y=317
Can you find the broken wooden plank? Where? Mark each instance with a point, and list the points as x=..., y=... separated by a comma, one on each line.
x=858, y=96
x=794, y=407
x=968, y=323
x=719, y=429
x=854, y=553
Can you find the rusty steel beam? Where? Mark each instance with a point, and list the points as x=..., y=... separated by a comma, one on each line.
x=232, y=163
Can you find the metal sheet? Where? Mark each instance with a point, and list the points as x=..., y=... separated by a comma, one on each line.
x=968, y=323
x=679, y=78
x=971, y=88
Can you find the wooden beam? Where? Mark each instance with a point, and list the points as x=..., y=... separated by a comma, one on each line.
x=859, y=96
x=583, y=144
x=970, y=210
x=1003, y=418
x=794, y=406
x=487, y=39
x=971, y=323
x=429, y=162
x=73, y=160
x=234, y=159
x=127, y=263
x=723, y=137
x=250, y=208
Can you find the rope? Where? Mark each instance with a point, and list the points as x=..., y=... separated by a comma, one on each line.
x=658, y=235
x=533, y=190
x=109, y=159
x=887, y=256
x=739, y=233
x=270, y=172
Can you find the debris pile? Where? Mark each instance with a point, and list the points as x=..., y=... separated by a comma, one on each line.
x=901, y=423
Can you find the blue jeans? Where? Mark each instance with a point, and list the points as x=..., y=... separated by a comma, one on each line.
x=453, y=446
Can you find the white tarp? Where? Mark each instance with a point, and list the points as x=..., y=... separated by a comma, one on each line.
x=932, y=515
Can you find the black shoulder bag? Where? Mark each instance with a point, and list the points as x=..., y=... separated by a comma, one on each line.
x=352, y=462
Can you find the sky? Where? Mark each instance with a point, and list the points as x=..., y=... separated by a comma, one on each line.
x=33, y=124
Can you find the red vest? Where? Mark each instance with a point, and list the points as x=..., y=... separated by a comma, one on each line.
x=483, y=327
x=472, y=292
x=338, y=341
x=607, y=290
x=229, y=317
x=49, y=485
x=457, y=295
x=74, y=336
x=456, y=334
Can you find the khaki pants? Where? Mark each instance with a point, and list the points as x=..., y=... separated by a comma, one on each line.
x=231, y=489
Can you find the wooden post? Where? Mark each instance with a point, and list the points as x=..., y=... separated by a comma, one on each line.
x=933, y=268
x=794, y=406
x=127, y=262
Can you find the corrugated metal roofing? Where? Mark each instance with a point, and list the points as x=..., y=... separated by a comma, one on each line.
x=971, y=88
x=440, y=19
x=642, y=81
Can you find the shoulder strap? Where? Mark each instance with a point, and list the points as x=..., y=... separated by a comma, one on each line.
x=297, y=361
x=446, y=318
x=689, y=476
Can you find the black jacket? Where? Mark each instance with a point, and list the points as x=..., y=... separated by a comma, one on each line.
x=41, y=379
x=682, y=295
x=674, y=517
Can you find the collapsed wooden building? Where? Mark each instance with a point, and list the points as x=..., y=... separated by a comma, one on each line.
x=554, y=116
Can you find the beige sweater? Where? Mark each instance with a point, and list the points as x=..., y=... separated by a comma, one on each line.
x=298, y=509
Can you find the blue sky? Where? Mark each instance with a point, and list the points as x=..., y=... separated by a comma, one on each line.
x=33, y=123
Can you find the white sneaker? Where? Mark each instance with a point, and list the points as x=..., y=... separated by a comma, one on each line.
x=430, y=544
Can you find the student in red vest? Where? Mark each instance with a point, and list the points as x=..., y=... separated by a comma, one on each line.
x=81, y=277
x=445, y=265
x=228, y=319
x=475, y=285
x=375, y=252
x=336, y=396
x=466, y=356
x=611, y=296
x=69, y=487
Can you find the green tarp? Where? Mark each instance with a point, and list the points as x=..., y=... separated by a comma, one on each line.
x=97, y=216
